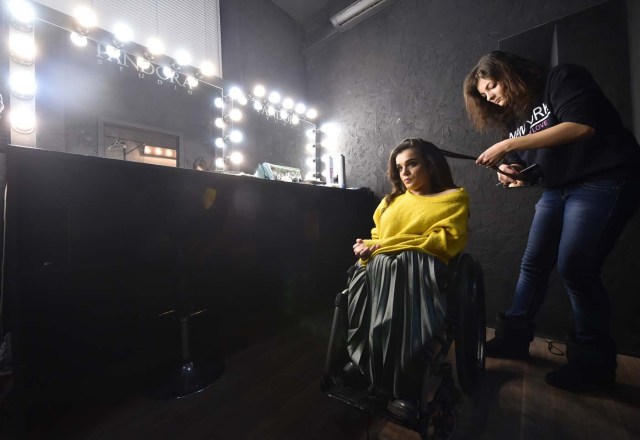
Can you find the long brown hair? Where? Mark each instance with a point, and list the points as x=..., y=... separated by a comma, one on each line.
x=521, y=79
x=440, y=177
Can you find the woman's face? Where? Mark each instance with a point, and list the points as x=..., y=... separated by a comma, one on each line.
x=492, y=91
x=413, y=172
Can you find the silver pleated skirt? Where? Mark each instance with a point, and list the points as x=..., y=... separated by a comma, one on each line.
x=394, y=311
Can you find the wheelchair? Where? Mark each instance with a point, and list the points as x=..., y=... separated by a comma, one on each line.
x=465, y=324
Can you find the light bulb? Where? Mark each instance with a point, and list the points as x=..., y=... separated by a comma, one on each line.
x=183, y=57
x=122, y=33
x=112, y=52
x=22, y=47
x=259, y=91
x=235, y=114
x=78, y=40
x=284, y=114
x=192, y=81
x=312, y=113
x=235, y=93
x=274, y=97
x=142, y=63
x=218, y=102
x=301, y=108
x=155, y=46
x=287, y=103
x=23, y=120
x=219, y=122
x=271, y=110
x=295, y=119
x=236, y=158
x=330, y=129
x=168, y=72
x=85, y=17
x=23, y=85
x=220, y=143
x=21, y=11
x=207, y=68
x=258, y=106
x=220, y=162
x=235, y=136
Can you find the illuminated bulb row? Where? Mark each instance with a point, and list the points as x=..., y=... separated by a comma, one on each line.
x=123, y=34
x=22, y=83
x=287, y=103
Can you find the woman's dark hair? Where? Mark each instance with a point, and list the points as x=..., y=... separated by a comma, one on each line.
x=437, y=168
x=521, y=79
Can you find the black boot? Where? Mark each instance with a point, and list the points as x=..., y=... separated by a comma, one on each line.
x=590, y=365
x=512, y=338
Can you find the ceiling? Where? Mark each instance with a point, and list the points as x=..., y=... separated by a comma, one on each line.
x=305, y=12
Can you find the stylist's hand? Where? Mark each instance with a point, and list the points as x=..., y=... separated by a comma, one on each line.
x=494, y=154
x=363, y=251
x=506, y=180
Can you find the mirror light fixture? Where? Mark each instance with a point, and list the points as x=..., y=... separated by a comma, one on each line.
x=85, y=19
x=23, y=85
x=167, y=153
x=22, y=48
x=22, y=15
x=122, y=34
x=78, y=40
x=22, y=120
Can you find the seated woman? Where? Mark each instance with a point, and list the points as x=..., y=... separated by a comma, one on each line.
x=393, y=308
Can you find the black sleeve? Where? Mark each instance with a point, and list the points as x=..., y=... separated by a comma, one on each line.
x=573, y=94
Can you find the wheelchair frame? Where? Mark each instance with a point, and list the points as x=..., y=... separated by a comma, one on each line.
x=465, y=324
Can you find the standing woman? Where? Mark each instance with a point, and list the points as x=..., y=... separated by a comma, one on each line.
x=394, y=310
x=560, y=120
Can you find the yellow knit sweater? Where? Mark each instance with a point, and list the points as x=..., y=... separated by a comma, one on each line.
x=434, y=224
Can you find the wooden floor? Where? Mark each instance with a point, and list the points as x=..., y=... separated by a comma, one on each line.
x=271, y=391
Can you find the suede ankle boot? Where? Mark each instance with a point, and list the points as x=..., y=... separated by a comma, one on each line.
x=512, y=338
x=590, y=365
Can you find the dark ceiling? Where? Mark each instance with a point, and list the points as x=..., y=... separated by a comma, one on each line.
x=310, y=12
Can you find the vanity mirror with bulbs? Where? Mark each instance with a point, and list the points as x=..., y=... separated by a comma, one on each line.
x=78, y=88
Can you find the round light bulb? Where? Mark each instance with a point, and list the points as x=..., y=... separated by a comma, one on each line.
x=21, y=11
x=85, y=17
x=287, y=103
x=295, y=119
x=192, y=81
x=207, y=68
x=113, y=52
x=311, y=133
x=168, y=72
x=330, y=129
x=142, y=63
x=183, y=57
x=220, y=163
x=300, y=108
x=122, y=33
x=220, y=143
x=219, y=122
x=271, y=110
x=235, y=114
x=236, y=158
x=258, y=106
x=218, y=102
x=242, y=100
x=235, y=136
x=284, y=114
x=259, y=91
x=155, y=46
x=22, y=48
x=312, y=113
x=235, y=93
x=78, y=40
x=23, y=120
x=274, y=97
x=22, y=85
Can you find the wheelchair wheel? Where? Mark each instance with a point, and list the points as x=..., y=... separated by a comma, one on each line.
x=470, y=328
x=440, y=424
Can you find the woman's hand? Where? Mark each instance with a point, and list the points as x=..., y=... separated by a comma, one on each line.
x=363, y=251
x=506, y=180
x=494, y=154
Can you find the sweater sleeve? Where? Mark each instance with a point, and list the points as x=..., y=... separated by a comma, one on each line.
x=573, y=94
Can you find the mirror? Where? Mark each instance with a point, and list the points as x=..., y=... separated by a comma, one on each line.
x=93, y=101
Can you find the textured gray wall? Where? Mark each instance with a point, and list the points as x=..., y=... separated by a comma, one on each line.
x=399, y=74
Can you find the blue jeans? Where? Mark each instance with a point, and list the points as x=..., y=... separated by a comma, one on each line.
x=575, y=227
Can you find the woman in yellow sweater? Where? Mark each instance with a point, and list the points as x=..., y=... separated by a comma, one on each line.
x=394, y=310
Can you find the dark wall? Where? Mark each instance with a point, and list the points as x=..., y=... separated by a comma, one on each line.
x=262, y=44
x=399, y=74
x=633, y=15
